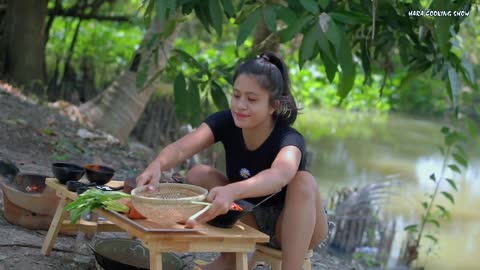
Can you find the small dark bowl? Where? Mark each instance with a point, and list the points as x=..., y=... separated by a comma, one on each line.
x=67, y=172
x=74, y=185
x=229, y=219
x=99, y=174
x=81, y=190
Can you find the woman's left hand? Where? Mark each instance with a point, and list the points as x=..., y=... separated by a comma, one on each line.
x=221, y=199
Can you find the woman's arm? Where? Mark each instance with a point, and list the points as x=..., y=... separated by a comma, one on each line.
x=272, y=180
x=176, y=152
x=266, y=182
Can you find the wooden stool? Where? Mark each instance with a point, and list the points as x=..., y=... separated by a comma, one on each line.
x=273, y=257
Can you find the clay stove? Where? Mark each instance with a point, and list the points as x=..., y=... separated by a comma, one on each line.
x=28, y=202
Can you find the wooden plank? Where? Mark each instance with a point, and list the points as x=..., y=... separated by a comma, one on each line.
x=146, y=225
x=54, y=227
x=90, y=226
x=156, y=262
x=135, y=227
x=200, y=245
x=241, y=261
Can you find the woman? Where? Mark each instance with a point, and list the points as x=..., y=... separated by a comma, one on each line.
x=264, y=155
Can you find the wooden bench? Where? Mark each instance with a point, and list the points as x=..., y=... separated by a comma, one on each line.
x=241, y=239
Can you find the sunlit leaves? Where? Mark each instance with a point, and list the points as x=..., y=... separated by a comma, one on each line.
x=310, y=5
x=247, y=26
x=228, y=8
x=431, y=237
x=216, y=15
x=443, y=211
x=453, y=89
x=411, y=228
x=460, y=159
x=294, y=29
x=219, y=97
x=307, y=49
x=448, y=196
x=442, y=26
x=432, y=177
x=471, y=127
x=344, y=55
x=323, y=3
x=454, y=168
x=452, y=183
x=350, y=17
x=187, y=100
x=270, y=17
x=285, y=14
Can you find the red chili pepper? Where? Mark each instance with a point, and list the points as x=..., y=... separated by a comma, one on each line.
x=236, y=207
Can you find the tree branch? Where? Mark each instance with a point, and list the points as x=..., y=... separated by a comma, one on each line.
x=74, y=14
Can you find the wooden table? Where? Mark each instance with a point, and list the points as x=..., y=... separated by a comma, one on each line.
x=240, y=239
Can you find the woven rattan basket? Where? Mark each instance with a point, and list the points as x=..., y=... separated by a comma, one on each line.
x=168, y=202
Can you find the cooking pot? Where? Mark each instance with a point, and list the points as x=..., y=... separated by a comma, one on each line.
x=126, y=254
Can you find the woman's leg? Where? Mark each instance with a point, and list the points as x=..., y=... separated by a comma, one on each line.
x=302, y=225
x=208, y=177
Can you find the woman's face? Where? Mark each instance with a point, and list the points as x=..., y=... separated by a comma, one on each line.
x=250, y=104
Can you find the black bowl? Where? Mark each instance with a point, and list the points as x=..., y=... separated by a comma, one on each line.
x=99, y=174
x=67, y=172
x=74, y=185
x=229, y=219
x=81, y=190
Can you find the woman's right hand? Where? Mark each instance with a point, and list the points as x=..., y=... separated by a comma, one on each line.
x=150, y=176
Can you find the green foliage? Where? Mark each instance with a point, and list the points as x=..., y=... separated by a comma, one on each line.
x=454, y=159
x=339, y=35
x=312, y=88
x=107, y=47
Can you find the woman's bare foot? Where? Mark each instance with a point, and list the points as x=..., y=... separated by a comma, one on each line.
x=226, y=261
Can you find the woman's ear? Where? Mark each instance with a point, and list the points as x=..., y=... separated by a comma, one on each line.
x=276, y=106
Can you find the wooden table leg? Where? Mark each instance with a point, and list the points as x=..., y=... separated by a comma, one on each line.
x=156, y=262
x=54, y=227
x=241, y=259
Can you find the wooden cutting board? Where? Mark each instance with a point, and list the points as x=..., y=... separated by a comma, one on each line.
x=150, y=226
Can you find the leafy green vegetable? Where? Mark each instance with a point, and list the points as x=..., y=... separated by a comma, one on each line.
x=92, y=199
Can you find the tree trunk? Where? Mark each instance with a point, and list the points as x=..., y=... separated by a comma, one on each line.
x=118, y=108
x=25, y=41
x=264, y=40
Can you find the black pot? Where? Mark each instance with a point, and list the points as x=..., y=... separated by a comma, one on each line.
x=126, y=254
x=229, y=219
x=67, y=172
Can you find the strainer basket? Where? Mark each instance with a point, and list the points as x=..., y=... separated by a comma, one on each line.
x=168, y=202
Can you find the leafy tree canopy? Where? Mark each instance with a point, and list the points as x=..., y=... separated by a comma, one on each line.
x=343, y=35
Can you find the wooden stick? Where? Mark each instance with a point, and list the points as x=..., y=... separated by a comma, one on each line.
x=194, y=216
x=201, y=203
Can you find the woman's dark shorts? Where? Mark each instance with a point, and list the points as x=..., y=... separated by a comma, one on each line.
x=266, y=218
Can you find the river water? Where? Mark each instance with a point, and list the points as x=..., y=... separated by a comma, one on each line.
x=352, y=149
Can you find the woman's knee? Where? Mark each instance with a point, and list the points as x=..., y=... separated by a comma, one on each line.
x=205, y=176
x=303, y=185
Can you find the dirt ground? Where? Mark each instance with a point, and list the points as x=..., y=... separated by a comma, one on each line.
x=32, y=136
